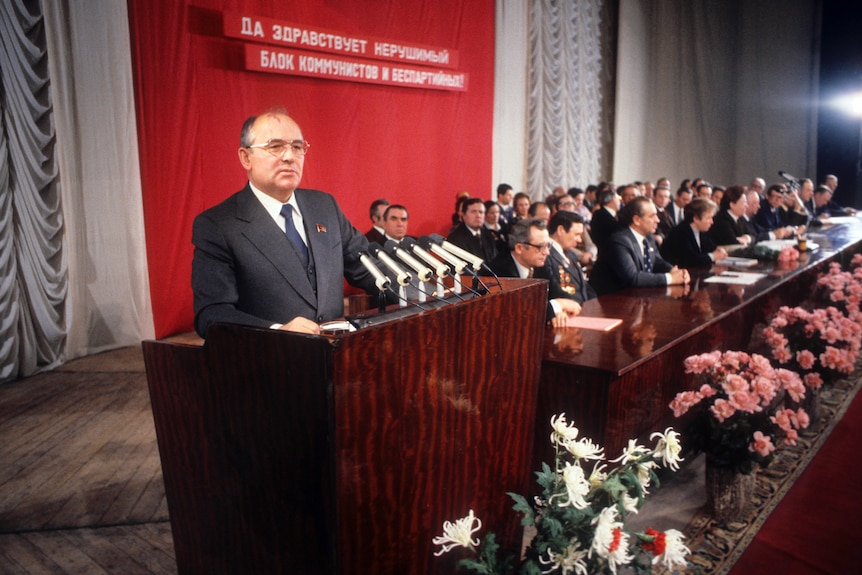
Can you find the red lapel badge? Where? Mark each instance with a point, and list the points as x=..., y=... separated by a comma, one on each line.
x=321, y=228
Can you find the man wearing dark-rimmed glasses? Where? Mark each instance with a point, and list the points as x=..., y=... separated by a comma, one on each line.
x=274, y=254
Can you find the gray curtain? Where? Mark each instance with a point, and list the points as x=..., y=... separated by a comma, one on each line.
x=32, y=265
x=571, y=93
x=724, y=90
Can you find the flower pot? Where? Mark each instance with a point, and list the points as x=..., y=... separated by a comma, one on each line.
x=728, y=492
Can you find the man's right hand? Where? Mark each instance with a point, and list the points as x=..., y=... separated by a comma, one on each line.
x=301, y=325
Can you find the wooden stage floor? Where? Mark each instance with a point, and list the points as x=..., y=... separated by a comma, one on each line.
x=80, y=478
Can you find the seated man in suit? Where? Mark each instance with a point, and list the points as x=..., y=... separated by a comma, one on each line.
x=661, y=199
x=561, y=267
x=689, y=245
x=825, y=207
x=395, y=223
x=273, y=254
x=604, y=222
x=769, y=215
x=630, y=258
x=471, y=234
x=754, y=229
x=528, y=249
x=375, y=212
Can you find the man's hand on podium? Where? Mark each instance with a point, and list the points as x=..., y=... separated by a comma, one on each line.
x=301, y=325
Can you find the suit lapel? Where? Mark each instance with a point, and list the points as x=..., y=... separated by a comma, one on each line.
x=273, y=244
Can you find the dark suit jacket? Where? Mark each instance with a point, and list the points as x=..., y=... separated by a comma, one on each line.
x=504, y=266
x=830, y=208
x=246, y=271
x=621, y=265
x=602, y=227
x=665, y=222
x=754, y=229
x=767, y=218
x=565, y=280
x=484, y=247
x=374, y=235
x=725, y=230
x=680, y=248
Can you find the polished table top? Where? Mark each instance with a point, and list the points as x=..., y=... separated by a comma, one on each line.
x=655, y=318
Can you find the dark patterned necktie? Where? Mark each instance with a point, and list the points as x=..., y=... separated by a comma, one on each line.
x=292, y=234
x=647, y=257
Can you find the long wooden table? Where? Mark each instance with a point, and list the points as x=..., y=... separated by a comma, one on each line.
x=617, y=385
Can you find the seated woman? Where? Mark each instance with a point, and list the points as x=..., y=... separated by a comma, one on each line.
x=729, y=225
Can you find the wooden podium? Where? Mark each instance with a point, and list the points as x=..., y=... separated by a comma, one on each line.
x=286, y=453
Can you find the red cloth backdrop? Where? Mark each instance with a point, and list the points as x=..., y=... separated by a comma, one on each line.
x=414, y=146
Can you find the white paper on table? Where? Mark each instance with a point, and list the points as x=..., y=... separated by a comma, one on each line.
x=737, y=278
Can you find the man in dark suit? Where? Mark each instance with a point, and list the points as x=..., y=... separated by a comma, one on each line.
x=274, y=255
x=394, y=223
x=661, y=199
x=825, y=207
x=564, y=273
x=689, y=245
x=769, y=215
x=471, y=234
x=529, y=246
x=755, y=230
x=630, y=258
x=375, y=212
x=604, y=223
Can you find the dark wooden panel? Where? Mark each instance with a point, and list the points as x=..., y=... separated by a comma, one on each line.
x=304, y=454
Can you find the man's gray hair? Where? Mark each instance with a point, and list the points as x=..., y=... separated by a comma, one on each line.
x=520, y=232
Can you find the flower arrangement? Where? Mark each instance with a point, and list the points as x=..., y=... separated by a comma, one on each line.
x=814, y=343
x=739, y=416
x=841, y=289
x=579, y=519
x=785, y=255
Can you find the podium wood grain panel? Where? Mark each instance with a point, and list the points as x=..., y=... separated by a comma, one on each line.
x=285, y=453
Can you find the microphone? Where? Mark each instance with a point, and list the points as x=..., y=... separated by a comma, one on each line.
x=475, y=261
x=457, y=263
x=788, y=177
x=380, y=280
x=423, y=272
x=439, y=267
x=401, y=275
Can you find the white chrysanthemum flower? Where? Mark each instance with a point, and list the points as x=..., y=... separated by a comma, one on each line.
x=675, y=550
x=584, y=449
x=668, y=448
x=577, y=487
x=632, y=451
x=610, y=542
x=598, y=476
x=562, y=431
x=572, y=561
x=630, y=503
x=458, y=534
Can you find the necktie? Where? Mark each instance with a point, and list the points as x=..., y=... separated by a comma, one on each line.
x=647, y=257
x=292, y=234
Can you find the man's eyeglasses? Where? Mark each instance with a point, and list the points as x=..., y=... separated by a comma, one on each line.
x=540, y=247
x=278, y=147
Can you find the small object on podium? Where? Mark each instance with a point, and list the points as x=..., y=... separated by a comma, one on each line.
x=595, y=323
x=336, y=327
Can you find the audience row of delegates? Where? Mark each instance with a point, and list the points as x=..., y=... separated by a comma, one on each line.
x=687, y=233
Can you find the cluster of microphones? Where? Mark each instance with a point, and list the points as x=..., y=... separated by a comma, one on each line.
x=423, y=263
